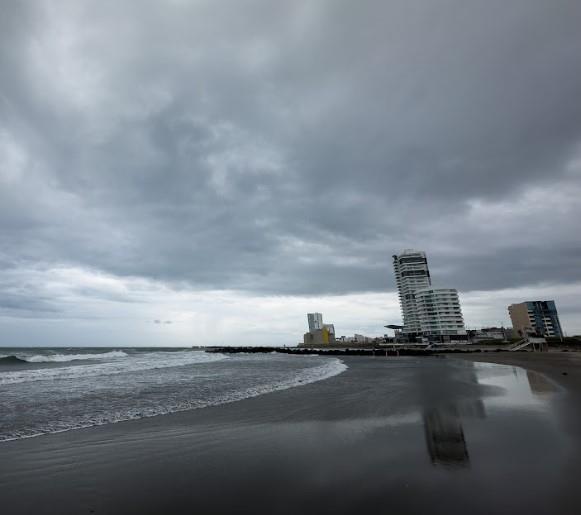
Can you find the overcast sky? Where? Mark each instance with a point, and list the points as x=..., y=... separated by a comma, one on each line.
x=206, y=172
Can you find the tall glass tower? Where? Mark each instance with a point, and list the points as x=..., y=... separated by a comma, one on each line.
x=411, y=274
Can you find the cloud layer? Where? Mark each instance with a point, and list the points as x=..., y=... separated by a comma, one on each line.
x=288, y=148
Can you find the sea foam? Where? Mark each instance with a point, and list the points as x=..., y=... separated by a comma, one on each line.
x=133, y=363
x=63, y=358
x=331, y=367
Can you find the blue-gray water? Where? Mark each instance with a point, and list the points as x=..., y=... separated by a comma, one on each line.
x=51, y=390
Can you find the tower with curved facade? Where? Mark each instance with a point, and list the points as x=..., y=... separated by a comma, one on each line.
x=427, y=312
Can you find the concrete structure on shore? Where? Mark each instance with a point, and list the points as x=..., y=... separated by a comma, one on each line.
x=538, y=317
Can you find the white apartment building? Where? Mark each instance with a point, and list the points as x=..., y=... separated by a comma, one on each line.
x=411, y=274
x=439, y=314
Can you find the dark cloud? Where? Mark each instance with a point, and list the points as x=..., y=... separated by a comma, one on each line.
x=27, y=305
x=291, y=147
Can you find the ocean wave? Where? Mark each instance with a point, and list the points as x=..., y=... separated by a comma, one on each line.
x=63, y=358
x=135, y=363
x=331, y=368
x=11, y=360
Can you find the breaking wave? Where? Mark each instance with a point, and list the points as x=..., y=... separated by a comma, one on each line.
x=62, y=358
x=146, y=361
x=11, y=360
x=172, y=404
x=58, y=358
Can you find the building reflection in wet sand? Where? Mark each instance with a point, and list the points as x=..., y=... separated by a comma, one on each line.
x=540, y=385
x=445, y=436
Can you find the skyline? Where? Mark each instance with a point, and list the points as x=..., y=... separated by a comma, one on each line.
x=224, y=169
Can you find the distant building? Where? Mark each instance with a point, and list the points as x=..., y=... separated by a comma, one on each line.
x=397, y=333
x=536, y=317
x=319, y=337
x=496, y=333
x=439, y=314
x=411, y=274
x=330, y=328
x=490, y=333
x=319, y=333
x=315, y=321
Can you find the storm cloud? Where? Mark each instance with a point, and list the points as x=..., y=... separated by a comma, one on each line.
x=287, y=148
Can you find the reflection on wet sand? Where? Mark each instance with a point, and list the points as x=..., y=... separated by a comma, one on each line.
x=445, y=433
x=443, y=427
x=539, y=384
x=445, y=437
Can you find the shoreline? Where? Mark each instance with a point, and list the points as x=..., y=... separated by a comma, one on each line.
x=286, y=452
x=564, y=368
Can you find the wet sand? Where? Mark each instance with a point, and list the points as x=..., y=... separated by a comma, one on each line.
x=563, y=368
x=552, y=364
x=397, y=435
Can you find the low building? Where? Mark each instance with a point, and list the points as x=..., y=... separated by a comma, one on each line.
x=319, y=333
x=490, y=333
x=330, y=328
x=536, y=317
x=319, y=337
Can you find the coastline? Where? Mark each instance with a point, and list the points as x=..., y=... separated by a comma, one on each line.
x=285, y=452
x=564, y=368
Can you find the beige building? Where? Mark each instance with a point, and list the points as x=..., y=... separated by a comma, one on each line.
x=535, y=317
x=519, y=317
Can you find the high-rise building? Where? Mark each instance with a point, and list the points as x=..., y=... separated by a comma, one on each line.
x=439, y=314
x=429, y=312
x=315, y=321
x=411, y=274
x=538, y=317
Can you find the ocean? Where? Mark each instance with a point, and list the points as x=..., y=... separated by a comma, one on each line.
x=51, y=390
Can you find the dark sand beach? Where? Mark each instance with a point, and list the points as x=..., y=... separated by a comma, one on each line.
x=389, y=435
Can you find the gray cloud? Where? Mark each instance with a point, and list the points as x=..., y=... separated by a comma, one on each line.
x=291, y=147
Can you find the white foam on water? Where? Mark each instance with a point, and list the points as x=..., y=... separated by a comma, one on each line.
x=332, y=367
x=133, y=363
x=63, y=358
